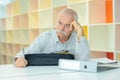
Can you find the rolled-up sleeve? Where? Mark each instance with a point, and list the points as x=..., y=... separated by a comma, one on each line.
x=82, y=50
x=35, y=47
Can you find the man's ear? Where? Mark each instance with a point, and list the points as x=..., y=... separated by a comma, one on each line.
x=73, y=27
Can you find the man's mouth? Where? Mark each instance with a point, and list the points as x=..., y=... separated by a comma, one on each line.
x=64, y=33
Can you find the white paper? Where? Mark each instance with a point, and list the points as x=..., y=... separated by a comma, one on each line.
x=104, y=60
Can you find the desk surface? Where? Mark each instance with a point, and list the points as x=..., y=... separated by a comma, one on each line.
x=12, y=71
x=9, y=72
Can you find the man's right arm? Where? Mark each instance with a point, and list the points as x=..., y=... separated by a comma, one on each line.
x=20, y=60
x=35, y=47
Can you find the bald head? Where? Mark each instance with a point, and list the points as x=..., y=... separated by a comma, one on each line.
x=69, y=12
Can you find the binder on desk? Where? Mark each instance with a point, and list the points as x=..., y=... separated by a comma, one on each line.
x=46, y=59
x=85, y=66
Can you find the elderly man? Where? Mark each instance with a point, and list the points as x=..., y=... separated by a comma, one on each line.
x=68, y=36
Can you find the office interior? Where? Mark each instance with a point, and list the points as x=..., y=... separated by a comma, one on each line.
x=21, y=21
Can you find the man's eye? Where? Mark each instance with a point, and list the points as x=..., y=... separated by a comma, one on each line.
x=60, y=23
x=67, y=26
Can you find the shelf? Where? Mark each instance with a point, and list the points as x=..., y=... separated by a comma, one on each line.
x=2, y=11
x=46, y=19
x=16, y=7
x=117, y=56
x=117, y=11
x=9, y=49
x=44, y=29
x=101, y=37
x=9, y=10
x=97, y=54
x=24, y=37
x=43, y=4
x=100, y=11
x=33, y=34
x=9, y=23
x=2, y=36
x=101, y=54
x=3, y=59
x=117, y=37
x=9, y=36
x=9, y=60
x=23, y=6
x=74, y=1
x=57, y=3
x=16, y=36
x=16, y=49
x=102, y=50
x=24, y=21
x=34, y=20
x=81, y=9
x=16, y=23
x=3, y=48
x=33, y=5
x=2, y=24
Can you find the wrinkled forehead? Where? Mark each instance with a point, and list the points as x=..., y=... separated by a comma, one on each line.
x=69, y=13
x=66, y=15
x=66, y=18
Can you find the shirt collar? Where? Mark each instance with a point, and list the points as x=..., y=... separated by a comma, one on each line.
x=56, y=38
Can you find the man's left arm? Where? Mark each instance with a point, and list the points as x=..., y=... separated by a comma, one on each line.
x=82, y=50
x=82, y=47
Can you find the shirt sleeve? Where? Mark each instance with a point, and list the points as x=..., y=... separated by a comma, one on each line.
x=35, y=47
x=82, y=49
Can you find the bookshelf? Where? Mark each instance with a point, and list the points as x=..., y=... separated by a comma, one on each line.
x=24, y=21
x=33, y=5
x=43, y=15
x=21, y=21
x=81, y=9
x=44, y=4
x=33, y=19
x=24, y=6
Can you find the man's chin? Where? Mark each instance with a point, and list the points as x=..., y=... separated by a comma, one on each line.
x=62, y=35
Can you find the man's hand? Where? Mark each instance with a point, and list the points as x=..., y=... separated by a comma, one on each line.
x=21, y=62
x=77, y=28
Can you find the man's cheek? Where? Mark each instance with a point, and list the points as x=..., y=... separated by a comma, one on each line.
x=57, y=27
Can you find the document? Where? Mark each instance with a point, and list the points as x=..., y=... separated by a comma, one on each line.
x=104, y=60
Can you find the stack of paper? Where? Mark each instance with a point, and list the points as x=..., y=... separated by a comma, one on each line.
x=104, y=60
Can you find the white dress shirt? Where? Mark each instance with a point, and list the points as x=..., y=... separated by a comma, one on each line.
x=48, y=42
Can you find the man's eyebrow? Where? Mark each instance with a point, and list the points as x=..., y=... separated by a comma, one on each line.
x=67, y=24
x=62, y=23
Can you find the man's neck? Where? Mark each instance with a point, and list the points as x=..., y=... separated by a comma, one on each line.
x=63, y=39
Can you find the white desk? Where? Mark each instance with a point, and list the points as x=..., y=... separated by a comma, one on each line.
x=9, y=72
x=12, y=71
